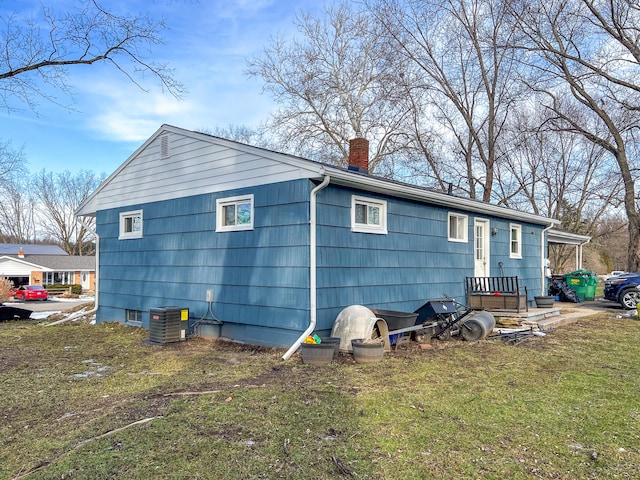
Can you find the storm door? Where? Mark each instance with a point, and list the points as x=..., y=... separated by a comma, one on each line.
x=481, y=248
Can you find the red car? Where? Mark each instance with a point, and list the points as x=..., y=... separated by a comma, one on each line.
x=30, y=292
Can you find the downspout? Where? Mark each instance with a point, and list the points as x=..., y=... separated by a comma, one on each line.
x=312, y=267
x=543, y=280
x=580, y=248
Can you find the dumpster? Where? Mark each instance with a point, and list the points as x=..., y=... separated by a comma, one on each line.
x=584, y=283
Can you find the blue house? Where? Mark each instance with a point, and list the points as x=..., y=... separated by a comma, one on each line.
x=279, y=244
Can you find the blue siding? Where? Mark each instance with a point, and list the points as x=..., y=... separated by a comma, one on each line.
x=411, y=264
x=260, y=278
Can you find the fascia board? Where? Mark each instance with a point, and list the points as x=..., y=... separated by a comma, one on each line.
x=23, y=262
x=410, y=192
x=566, y=238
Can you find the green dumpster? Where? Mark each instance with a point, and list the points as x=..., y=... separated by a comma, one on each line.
x=583, y=282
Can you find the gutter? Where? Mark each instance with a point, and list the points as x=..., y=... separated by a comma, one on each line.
x=312, y=268
x=413, y=192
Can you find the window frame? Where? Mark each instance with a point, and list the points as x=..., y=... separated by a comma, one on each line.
x=381, y=227
x=514, y=227
x=65, y=277
x=124, y=235
x=133, y=317
x=221, y=203
x=465, y=229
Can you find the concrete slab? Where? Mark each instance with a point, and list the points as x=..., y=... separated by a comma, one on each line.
x=562, y=313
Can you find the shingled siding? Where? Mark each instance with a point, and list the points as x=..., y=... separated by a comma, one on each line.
x=414, y=262
x=260, y=277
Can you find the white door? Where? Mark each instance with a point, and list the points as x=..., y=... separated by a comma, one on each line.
x=86, y=284
x=481, y=248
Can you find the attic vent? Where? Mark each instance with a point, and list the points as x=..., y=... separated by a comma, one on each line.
x=164, y=146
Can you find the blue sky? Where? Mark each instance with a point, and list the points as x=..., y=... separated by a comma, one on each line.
x=207, y=46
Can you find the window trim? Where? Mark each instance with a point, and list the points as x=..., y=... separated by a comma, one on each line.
x=380, y=229
x=465, y=230
x=67, y=277
x=517, y=228
x=129, y=235
x=223, y=202
x=137, y=317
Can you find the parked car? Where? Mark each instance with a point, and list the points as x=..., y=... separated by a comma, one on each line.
x=30, y=292
x=622, y=289
x=614, y=273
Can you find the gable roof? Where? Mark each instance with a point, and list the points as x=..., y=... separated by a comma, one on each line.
x=54, y=262
x=199, y=163
x=30, y=249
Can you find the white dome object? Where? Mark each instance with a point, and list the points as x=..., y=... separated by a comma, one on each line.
x=354, y=321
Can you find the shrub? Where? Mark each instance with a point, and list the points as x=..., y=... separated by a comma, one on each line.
x=75, y=288
x=5, y=289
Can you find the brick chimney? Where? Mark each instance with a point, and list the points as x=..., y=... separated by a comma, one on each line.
x=359, y=155
x=20, y=253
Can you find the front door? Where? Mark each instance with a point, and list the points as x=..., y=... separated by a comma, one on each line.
x=86, y=281
x=481, y=248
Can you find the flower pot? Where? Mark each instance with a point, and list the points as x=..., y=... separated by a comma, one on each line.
x=335, y=341
x=367, y=352
x=544, y=301
x=317, y=353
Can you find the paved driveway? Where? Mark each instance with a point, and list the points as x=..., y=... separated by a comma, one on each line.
x=53, y=305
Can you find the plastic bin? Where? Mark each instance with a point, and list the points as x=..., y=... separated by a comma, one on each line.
x=584, y=283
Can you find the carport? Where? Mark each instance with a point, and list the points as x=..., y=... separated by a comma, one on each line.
x=557, y=237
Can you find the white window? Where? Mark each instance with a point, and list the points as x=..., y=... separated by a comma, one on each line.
x=515, y=241
x=368, y=215
x=133, y=317
x=131, y=224
x=458, y=228
x=234, y=213
x=58, y=278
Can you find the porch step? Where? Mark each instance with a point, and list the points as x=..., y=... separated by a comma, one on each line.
x=547, y=318
x=533, y=315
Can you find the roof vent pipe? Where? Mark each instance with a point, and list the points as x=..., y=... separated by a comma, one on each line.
x=359, y=155
x=20, y=253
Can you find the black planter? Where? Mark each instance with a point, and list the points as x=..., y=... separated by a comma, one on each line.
x=544, y=301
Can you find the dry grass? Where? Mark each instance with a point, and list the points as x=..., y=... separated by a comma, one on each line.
x=81, y=401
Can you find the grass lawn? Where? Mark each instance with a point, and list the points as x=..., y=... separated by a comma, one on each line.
x=95, y=402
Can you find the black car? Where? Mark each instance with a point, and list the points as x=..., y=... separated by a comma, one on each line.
x=622, y=289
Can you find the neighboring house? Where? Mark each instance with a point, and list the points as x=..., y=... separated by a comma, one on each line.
x=284, y=242
x=26, y=264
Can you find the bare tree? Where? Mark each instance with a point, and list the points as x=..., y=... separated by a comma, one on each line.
x=458, y=48
x=17, y=222
x=36, y=53
x=58, y=196
x=241, y=133
x=332, y=84
x=17, y=210
x=545, y=170
x=581, y=50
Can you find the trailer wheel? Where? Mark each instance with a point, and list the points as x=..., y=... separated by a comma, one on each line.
x=446, y=335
